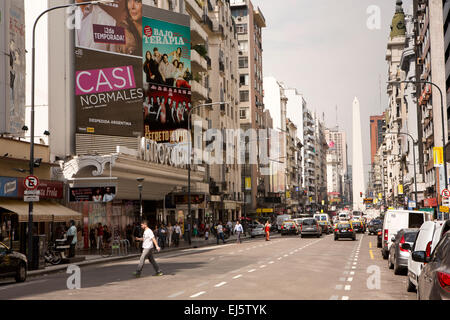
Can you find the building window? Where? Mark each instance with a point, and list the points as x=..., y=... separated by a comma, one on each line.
x=243, y=114
x=243, y=62
x=243, y=45
x=243, y=79
x=244, y=96
x=241, y=28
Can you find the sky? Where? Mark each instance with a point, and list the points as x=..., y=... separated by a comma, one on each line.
x=326, y=50
x=322, y=48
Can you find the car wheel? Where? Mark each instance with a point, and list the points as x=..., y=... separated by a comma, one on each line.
x=390, y=264
x=378, y=245
x=397, y=270
x=301, y=236
x=335, y=238
x=410, y=286
x=354, y=239
x=384, y=254
x=21, y=275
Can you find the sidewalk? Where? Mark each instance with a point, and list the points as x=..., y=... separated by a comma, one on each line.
x=92, y=257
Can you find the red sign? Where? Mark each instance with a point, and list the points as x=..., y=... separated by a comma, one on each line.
x=148, y=31
x=430, y=202
x=31, y=182
x=446, y=193
x=48, y=189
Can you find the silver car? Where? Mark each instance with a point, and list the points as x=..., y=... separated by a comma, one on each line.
x=258, y=230
x=401, y=250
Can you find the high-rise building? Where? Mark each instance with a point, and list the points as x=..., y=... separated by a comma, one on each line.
x=357, y=163
x=377, y=124
x=249, y=24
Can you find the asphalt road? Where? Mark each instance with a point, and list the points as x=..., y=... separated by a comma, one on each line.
x=285, y=268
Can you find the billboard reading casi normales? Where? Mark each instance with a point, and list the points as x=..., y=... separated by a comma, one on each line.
x=108, y=81
x=166, y=76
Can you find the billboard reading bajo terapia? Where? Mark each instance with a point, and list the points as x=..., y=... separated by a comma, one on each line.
x=131, y=70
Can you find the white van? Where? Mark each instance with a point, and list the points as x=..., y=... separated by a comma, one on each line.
x=427, y=239
x=395, y=220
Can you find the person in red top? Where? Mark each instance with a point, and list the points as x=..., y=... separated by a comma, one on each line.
x=267, y=230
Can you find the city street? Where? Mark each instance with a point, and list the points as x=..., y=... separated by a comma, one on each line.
x=286, y=268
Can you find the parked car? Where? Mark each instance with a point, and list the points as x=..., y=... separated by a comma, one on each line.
x=289, y=227
x=12, y=264
x=379, y=238
x=395, y=220
x=374, y=226
x=310, y=227
x=434, y=280
x=400, y=252
x=258, y=230
x=428, y=237
x=344, y=230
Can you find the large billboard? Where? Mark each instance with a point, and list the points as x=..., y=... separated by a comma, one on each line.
x=167, y=74
x=13, y=67
x=108, y=81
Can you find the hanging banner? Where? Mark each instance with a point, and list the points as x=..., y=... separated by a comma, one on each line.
x=248, y=184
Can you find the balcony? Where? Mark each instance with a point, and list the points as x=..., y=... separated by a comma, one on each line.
x=199, y=92
x=198, y=35
x=195, y=8
x=199, y=64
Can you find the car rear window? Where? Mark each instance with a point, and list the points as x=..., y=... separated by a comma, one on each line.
x=323, y=218
x=415, y=220
x=342, y=226
x=309, y=222
x=411, y=236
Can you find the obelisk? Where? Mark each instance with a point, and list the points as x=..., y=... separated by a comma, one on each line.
x=358, y=167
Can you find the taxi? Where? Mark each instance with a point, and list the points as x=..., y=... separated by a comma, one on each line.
x=344, y=229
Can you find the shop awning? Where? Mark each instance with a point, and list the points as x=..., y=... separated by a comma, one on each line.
x=43, y=211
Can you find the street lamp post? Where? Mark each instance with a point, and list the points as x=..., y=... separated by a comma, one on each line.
x=33, y=82
x=442, y=116
x=140, y=187
x=190, y=158
x=414, y=160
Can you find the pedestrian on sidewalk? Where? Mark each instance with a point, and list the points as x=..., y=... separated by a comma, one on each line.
x=238, y=230
x=177, y=234
x=149, y=242
x=163, y=235
x=72, y=237
x=220, y=233
x=92, y=237
x=206, y=234
x=267, y=230
x=170, y=233
x=99, y=236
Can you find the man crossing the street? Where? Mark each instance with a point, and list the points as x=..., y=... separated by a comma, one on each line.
x=149, y=241
x=220, y=233
x=238, y=230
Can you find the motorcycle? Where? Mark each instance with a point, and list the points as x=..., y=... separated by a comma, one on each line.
x=52, y=255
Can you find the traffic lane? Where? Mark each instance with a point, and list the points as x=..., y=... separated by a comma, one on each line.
x=304, y=269
x=186, y=265
x=373, y=280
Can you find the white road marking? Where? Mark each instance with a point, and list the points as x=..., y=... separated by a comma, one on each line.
x=238, y=276
x=345, y=298
x=198, y=294
x=347, y=288
x=220, y=284
x=352, y=273
x=176, y=294
x=263, y=266
x=353, y=267
x=271, y=262
x=253, y=270
x=280, y=258
x=286, y=255
x=350, y=279
x=355, y=263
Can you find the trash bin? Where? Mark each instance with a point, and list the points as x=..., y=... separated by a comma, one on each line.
x=38, y=252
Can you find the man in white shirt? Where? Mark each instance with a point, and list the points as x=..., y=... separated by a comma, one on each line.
x=90, y=15
x=238, y=230
x=220, y=233
x=149, y=241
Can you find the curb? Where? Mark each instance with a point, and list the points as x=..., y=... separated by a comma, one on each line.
x=36, y=273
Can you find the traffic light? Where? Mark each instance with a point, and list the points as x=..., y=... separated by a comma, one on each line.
x=361, y=194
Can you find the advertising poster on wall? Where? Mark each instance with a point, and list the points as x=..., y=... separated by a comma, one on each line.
x=12, y=98
x=92, y=194
x=166, y=77
x=108, y=81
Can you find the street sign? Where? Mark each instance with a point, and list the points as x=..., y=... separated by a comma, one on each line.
x=31, y=198
x=400, y=189
x=444, y=209
x=32, y=192
x=31, y=182
x=445, y=193
x=438, y=156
